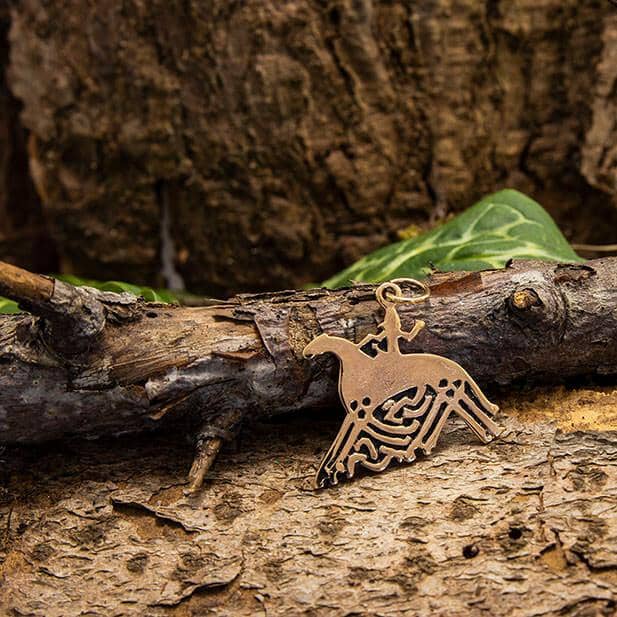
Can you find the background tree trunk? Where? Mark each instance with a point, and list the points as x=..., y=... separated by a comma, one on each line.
x=24, y=238
x=254, y=145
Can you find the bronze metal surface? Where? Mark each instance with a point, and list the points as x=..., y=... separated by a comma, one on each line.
x=396, y=403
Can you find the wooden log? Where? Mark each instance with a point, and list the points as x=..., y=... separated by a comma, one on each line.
x=147, y=364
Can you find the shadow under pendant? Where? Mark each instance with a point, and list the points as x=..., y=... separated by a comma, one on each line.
x=396, y=403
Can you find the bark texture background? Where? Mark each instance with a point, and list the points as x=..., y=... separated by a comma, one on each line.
x=524, y=526
x=24, y=237
x=257, y=145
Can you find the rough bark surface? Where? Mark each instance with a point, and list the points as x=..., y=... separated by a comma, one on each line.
x=525, y=526
x=24, y=237
x=257, y=145
x=140, y=365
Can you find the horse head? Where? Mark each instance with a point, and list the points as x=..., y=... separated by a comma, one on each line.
x=342, y=348
x=324, y=343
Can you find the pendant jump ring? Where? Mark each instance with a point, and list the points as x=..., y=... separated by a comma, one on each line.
x=397, y=296
x=386, y=293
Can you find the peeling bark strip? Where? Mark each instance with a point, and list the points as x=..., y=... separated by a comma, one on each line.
x=144, y=364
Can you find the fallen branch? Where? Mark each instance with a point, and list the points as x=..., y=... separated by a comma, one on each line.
x=92, y=363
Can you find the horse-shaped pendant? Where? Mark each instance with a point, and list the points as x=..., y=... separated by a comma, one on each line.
x=396, y=403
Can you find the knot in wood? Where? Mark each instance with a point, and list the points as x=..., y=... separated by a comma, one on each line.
x=524, y=299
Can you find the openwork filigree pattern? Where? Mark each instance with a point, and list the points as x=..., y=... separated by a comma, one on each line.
x=396, y=403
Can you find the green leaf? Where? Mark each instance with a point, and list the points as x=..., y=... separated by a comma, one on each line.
x=500, y=227
x=8, y=307
x=147, y=293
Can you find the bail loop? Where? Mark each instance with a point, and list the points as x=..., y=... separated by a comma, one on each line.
x=391, y=293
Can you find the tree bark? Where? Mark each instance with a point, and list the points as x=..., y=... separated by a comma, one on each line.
x=260, y=145
x=97, y=363
x=24, y=236
x=524, y=526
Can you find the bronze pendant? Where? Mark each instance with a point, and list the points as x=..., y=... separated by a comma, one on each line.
x=396, y=403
